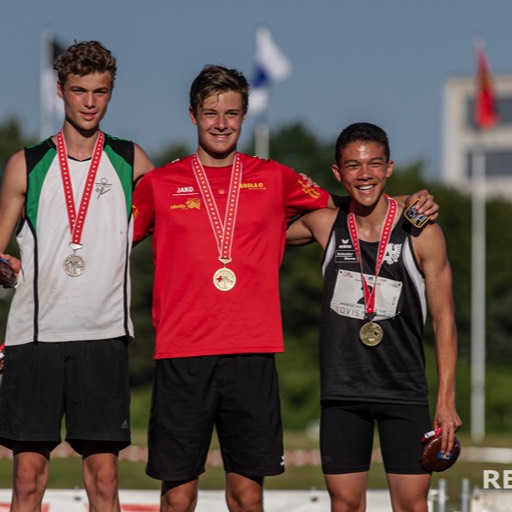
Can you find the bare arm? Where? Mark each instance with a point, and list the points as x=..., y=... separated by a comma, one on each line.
x=142, y=164
x=12, y=201
x=314, y=226
x=430, y=249
x=12, y=197
x=330, y=203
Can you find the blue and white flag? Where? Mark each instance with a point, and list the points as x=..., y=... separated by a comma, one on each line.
x=271, y=66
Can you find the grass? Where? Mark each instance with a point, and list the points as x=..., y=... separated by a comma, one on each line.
x=66, y=472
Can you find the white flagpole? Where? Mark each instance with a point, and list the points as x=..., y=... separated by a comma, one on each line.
x=47, y=85
x=478, y=238
x=272, y=66
x=262, y=139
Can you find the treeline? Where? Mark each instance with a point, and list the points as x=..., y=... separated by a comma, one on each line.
x=301, y=283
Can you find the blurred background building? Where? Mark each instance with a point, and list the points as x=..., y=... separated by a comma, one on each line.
x=461, y=136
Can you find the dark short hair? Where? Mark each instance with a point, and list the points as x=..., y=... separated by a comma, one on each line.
x=83, y=58
x=365, y=132
x=215, y=79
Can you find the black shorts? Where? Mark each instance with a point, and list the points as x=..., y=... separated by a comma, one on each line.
x=239, y=394
x=347, y=429
x=87, y=381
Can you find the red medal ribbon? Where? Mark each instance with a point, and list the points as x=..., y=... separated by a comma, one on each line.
x=222, y=229
x=385, y=233
x=76, y=223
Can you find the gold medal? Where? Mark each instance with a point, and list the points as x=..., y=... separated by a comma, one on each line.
x=74, y=265
x=224, y=279
x=371, y=334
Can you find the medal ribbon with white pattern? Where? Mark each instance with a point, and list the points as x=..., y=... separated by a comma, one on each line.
x=74, y=264
x=224, y=279
x=371, y=333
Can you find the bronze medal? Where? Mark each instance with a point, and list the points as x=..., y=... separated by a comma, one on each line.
x=74, y=265
x=224, y=279
x=371, y=334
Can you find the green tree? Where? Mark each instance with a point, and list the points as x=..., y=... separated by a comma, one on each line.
x=301, y=284
x=170, y=153
x=141, y=350
x=12, y=139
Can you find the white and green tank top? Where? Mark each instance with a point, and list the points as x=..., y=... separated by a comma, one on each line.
x=49, y=305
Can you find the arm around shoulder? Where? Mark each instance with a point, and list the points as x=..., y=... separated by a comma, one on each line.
x=314, y=226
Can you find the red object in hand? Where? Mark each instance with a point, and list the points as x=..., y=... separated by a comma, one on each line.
x=433, y=459
x=7, y=275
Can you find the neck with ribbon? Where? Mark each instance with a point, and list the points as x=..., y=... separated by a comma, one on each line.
x=387, y=227
x=74, y=265
x=224, y=279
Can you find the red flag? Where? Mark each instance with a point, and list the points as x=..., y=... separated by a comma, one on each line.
x=485, y=108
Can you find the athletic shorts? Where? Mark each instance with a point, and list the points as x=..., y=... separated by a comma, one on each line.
x=85, y=381
x=238, y=394
x=347, y=429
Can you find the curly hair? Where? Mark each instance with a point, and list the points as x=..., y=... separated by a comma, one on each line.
x=84, y=58
x=215, y=79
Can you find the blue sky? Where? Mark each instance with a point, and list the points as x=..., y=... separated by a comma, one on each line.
x=378, y=61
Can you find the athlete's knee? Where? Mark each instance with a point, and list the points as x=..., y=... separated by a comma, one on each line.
x=30, y=471
x=101, y=480
x=419, y=505
x=29, y=482
x=245, y=502
x=347, y=498
x=347, y=504
x=244, y=494
x=179, y=496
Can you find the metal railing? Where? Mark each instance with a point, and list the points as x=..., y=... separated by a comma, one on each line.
x=471, y=500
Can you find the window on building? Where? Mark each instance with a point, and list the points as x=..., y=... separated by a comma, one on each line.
x=497, y=163
x=503, y=106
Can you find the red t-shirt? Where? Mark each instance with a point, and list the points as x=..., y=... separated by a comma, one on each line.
x=191, y=316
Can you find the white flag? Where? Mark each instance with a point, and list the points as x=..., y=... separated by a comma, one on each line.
x=52, y=107
x=271, y=65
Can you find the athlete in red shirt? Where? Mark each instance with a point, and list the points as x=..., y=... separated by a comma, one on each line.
x=218, y=220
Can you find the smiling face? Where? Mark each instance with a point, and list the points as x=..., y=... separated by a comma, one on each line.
x=219, y=125
x=363, y=169
x=86, y=99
